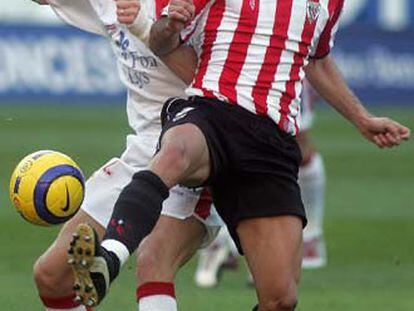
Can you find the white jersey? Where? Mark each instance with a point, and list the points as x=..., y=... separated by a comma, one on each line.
x=148, y=80
x=150, y=83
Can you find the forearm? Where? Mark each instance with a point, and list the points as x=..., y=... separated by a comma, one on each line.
x=163, y=39
x=326, y=79
x=183, y=62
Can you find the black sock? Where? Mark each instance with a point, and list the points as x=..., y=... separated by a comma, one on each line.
x=137, y=210
x=256, y=308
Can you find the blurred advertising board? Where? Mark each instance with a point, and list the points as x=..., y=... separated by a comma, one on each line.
x=46, y=62
x=42, y=61
x=378, y=65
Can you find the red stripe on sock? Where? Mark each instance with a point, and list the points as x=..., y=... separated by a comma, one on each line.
x=60, y=302
x=155, y=288
x=204, y=204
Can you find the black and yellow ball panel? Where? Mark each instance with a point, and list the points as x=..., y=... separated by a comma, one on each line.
x=47, y=188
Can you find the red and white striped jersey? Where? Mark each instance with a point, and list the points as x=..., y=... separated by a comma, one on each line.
x=253, y=52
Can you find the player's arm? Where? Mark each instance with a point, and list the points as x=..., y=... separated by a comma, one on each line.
x=165, y=33
x=182, y=61
x=325, y=77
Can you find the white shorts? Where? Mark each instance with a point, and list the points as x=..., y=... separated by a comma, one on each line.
x=105, y=185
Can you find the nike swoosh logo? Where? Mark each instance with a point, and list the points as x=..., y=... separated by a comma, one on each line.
x=67, y=206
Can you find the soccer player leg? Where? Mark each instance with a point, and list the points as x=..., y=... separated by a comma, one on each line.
x=312, y=183
x=52, y=274
x=273, y=250
x=169, y=246
x=265, y=217
x=189, y=220
x=260, y=201
x=183, y=158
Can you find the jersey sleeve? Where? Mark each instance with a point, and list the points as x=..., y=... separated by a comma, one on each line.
x=327, y=38
x=78, y=13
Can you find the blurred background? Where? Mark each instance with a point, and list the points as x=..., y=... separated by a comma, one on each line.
x=59, y=90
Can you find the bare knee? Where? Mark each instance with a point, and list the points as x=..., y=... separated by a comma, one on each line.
x=171, y=163
x=281, y=304
x=183, y=158
x=284, y=300
x=175, y=155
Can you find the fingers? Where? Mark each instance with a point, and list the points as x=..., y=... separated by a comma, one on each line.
x=378, y=142
x=396, y=133
x=127, y=10
x=180, y=15
x=124, y=4
x=381, y=141
x=181, y=10
x=405, y=132
x=386, y=133
x=392, y=140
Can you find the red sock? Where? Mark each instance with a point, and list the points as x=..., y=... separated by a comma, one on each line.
x=63, y=303
x=156, y=296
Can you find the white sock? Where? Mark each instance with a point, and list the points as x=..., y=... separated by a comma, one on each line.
x=119, y=249
x=156, y=296
x=157, y=303
x=312, y=184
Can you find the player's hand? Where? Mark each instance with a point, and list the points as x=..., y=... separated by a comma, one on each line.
x=127, y=11
x=384, y=132
x=180, y=12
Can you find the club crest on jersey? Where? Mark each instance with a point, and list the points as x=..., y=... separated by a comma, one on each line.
x=313, y=9
x=252, y=4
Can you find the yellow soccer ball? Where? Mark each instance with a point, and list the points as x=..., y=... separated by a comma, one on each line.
x=47, y=188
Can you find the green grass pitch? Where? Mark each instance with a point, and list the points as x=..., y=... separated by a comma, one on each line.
x=369, y=215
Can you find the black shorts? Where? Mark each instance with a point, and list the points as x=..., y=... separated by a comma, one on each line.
x=254, y=164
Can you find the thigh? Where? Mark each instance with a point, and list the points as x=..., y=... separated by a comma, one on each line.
x=273, y=250
x=191, y=126
x=169, y=246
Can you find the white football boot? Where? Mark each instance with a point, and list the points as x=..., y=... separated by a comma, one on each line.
x=314, y=252
x=210, y=263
